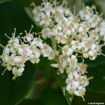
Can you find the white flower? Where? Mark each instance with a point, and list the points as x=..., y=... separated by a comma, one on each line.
x=20, y=50
x=60, y=9
x=66, y=50
x=47, y=8
x=59, y=66
x=86, y=13
x=5, y=57
x=6, y=50
x=54, y=65
x=67, y=12
x=81, y=29
x=28, y=37
x=80, y=92
x=46, y=32
x=61, y=38
x=34, y=59
x=93, y=55
x=76, y=75
x=36, y=53
x=93, y=46
x=102, y=29
x=85, y=45
x=17, y=59
x=51, y=55
x=46, y=20
x=75, y=45
x=28, y=51
x=14, y=40
x=17, y=72
x=37, y=42
x=75, y=84
x=46, y=50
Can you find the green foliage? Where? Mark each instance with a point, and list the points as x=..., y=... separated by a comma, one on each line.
x=3, y=1
x=29, y=12
x=31, y=102
x=97, y=84
x=61, y=80
x=53, y=97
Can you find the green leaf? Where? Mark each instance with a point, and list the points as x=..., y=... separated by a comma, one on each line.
x=31, y=16
x=3, y=1
x=61, y=80
x=31, y=102
x=52, y=96
x=97, y=84
x=14, y=91
x=29, y=13
x=25, y=3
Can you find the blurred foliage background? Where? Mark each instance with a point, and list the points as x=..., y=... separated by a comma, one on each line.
x=39, y=84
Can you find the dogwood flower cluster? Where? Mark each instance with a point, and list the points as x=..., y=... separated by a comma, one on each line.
x=76, y=78
x=20, y=50
x=74, y=38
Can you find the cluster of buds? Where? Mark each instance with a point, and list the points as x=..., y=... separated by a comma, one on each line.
x=73, y=39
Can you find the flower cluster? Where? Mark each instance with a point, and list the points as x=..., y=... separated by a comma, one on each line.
x=20, y=50
x=74, y=38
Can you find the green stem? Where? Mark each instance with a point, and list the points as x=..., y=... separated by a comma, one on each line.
x=61, y=82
